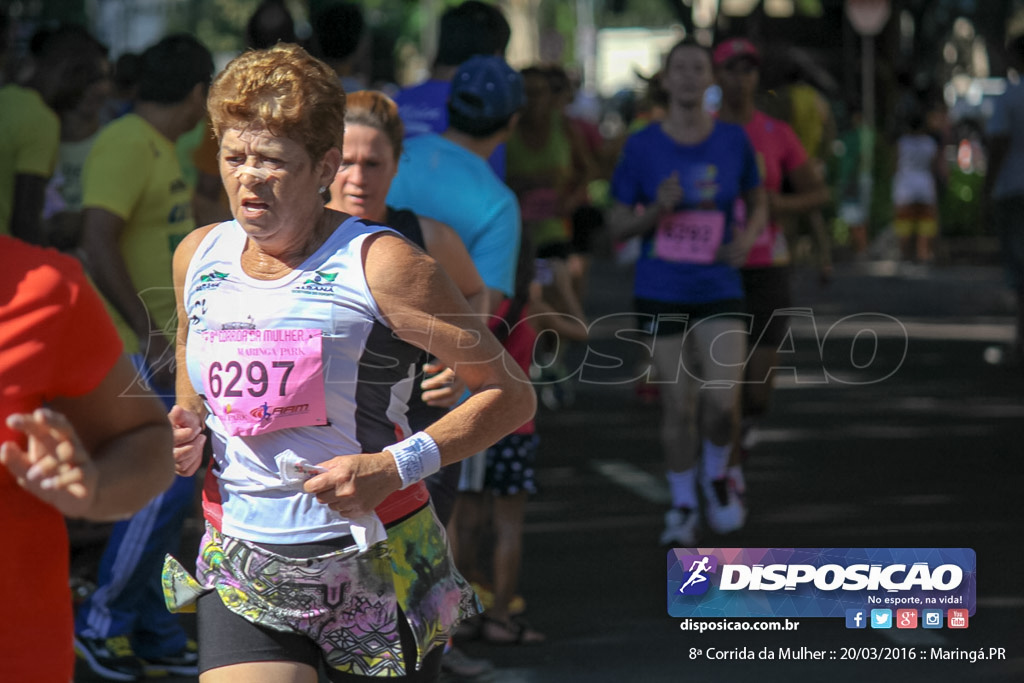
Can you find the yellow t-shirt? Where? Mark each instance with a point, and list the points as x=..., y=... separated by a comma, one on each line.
x=133, y=172
x=807, y=119
x=29, y=139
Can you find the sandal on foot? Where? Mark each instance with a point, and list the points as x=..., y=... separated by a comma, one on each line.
x=512, y=632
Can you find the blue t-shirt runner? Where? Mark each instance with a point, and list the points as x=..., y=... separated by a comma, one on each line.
x=676, y=264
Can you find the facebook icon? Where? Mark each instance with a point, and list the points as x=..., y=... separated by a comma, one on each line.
x=856, y=618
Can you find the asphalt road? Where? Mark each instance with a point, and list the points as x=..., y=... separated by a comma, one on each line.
x=914, y=440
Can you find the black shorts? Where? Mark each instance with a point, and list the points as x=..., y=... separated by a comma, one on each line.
x=510, y=465
x=587, y=222
x=663, y=318
x=767, y=291
x=557, y=250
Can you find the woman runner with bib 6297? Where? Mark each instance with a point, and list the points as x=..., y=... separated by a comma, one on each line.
x=298, y=326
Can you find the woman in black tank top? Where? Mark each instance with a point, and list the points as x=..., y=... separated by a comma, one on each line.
x=373, y=145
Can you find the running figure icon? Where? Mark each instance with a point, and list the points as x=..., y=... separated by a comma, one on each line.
x=696, y=570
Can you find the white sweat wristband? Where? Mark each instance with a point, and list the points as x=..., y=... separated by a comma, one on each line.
x=417, y=458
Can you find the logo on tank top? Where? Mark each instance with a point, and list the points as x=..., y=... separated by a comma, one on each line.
x=210, y=280
x=707, y=184
x=320, y=283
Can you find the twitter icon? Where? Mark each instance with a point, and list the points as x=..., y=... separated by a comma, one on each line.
x=881, y=618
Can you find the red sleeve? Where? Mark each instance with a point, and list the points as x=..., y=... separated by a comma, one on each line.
x=88, y=344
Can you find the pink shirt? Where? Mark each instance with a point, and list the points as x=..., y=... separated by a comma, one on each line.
x=779, y=152
x=519, y=344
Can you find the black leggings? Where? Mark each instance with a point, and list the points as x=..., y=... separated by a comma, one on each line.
x=226, y=638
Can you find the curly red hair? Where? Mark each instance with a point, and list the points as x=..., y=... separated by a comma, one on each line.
x=285, y=91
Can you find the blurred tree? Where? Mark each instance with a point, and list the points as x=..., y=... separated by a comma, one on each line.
x=63, y=11
x=809, y=8
x=628, y=13
x=220, y=24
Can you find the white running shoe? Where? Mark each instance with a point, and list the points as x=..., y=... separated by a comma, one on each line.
x=680, y=528
x=749, y=435
x=724, y=507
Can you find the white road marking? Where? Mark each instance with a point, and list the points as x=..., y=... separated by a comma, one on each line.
x=634, y=479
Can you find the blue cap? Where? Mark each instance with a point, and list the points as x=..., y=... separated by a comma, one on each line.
x=486, y=90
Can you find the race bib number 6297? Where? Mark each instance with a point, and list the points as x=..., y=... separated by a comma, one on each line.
x=259, y=381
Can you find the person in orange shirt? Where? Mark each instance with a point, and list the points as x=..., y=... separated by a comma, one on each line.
x=90, y=453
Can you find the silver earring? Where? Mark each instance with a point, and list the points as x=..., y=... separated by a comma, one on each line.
x=323, y=188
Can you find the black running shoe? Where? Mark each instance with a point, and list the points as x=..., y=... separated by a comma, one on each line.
x=110, y=658
x=184, y=663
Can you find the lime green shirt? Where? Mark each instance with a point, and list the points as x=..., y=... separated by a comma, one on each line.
x=29, y=140
x=523, y=161
x=133, y=172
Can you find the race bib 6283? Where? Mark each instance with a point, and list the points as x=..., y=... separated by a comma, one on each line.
x=690, y=236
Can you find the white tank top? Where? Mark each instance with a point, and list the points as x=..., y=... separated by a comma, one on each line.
x=367, y=375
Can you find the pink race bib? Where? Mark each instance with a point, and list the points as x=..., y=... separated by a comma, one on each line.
x=259, y=381
x=689, y=236
x=539, y=204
